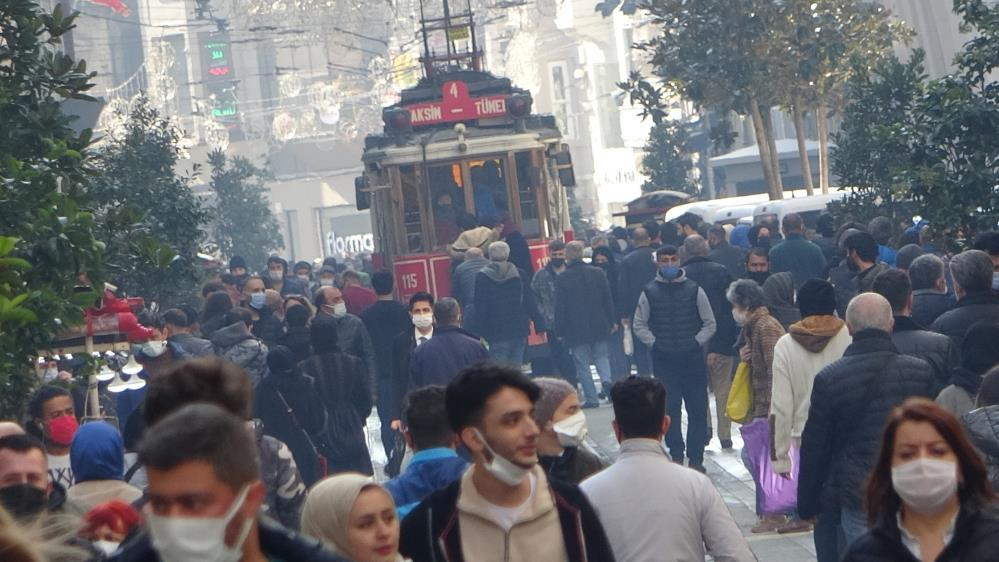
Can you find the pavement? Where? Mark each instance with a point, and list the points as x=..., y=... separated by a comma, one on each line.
x=725, y=469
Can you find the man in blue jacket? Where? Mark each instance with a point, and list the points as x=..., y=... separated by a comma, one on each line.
x=796, y=254
x=435, y=464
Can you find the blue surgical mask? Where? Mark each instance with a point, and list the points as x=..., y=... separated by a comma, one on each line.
x=669, y=272
x=258, y=300
x=995, y=281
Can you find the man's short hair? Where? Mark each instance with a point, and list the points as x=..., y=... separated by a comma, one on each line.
x=988, y=242
x=421, y=296
x=21, y=443
x=212, y=287
x=208, y=379
x=792, y=223
x=467, y=394
x=499, y=251
x=895, y=287
x=653, y=228
x=869, y=311
x=297, y=316
x=574, y=251
x=666, y=250
x=425, y=416
x=639, y=407
x=239, y=314
x=826, y=225
x=352, y=275
x=880, y=229
x=640, y=235
x=689, y=219
x=383, y=283
x=925, y=271
x=972, y=270
x=36, y=405
x=906, y=255
x=718, y=233
x=202, y=432
x=556, y=245
x=447, y=311
x=696, y=246
x=176, y=317
x=758, y=252
x=864, y=244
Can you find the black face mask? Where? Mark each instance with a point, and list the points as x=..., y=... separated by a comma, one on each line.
x=23, y=500
x=558, y=262
x=763, y=241
x=758, y=276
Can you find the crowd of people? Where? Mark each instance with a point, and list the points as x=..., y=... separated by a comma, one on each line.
x=864, y=379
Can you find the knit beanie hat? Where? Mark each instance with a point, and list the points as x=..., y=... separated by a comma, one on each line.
x=553, y=393
x=980, y=348
x=237, y=261
x=816, y=298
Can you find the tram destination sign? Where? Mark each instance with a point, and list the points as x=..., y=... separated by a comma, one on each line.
x=456, y=105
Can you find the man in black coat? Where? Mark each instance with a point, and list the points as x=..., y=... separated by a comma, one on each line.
x=851, y=399
x=734, y=259
x=714, y=279
x=421, y=312
x=929, y=290
x=911, y=339
x=385, y=320
x=636, y=271
x=504, y=306
x=450, y=350
x=585, y=318
x=972, y=271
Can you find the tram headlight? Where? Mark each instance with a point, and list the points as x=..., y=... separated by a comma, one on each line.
x=397, y=120
x=519, y=105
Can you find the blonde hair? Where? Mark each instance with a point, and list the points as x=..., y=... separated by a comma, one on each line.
x=44, y=539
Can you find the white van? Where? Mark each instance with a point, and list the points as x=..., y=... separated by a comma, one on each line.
x=808, y=207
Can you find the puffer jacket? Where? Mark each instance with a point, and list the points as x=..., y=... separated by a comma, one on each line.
x=851, y=400
x=976, y=539
x=543, y=286
x=236, y=344
x=938, y=350
x=762, y=332
x=983, y=429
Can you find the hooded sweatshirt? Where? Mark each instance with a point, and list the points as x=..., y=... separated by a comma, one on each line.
x=808, y=347
x=97, y=456
x=778, y=290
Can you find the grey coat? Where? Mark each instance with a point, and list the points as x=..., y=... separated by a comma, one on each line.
x=236, y=344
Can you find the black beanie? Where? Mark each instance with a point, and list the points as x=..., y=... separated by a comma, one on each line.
x=280, y=359
x=816, y=298
x=980, y=348
x=237, y=261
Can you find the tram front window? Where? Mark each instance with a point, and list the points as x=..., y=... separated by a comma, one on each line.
x=447, y=194
x=491, y=198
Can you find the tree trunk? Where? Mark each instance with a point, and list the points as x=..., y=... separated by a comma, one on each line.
x=766, y=158
x=799, y=129
x=768, y=127
x=823, y=125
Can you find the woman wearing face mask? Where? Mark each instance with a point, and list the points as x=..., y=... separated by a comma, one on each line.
x=562, y=450
x=761, y=332
x=928, y=497
x=355, y=517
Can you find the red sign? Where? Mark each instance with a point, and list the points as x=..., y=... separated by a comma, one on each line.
x=457, y=105
x=412, y=276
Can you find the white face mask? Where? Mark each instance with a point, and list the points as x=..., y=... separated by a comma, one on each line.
x=50, y=374
x=925, y=485
x=504, y=470
x=154, y=348
x=304, y=278
x=423, y=321
x=739, y=316
x=107, y=547
x=325, y=282
x=572, y=430
x=340, y=310
x=275, y=274
x=196, y=539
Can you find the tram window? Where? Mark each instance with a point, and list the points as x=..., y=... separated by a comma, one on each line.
x=527, y=177
x=410, y=182
x=489, y=184
x=447, y=194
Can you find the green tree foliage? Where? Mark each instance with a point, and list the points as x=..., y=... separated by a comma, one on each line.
x=667, y=162
x=151, y=220
x=43, y=176
x=872, y=152
x=244, y=224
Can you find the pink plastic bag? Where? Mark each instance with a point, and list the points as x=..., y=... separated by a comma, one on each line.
x=777, y=495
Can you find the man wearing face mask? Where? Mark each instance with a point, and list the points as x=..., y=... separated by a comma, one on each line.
x=504, y=507
x=450, y=350
x=205, y=496
x=421, y=313
x=52, y=419
x=326, y=277
x=757, y=265
x=265, y=325
x=237, y=268
x=25, y=487
x=562, y=448
x=675, y=319
x=277, y=272
x=352, y=335
x=543, y=286
x=385, y=320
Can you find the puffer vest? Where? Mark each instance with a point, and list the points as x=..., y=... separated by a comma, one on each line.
x=673, y=315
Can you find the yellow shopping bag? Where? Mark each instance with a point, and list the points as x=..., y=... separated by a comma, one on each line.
x=740, y=397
